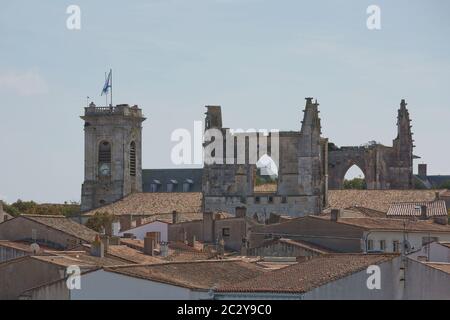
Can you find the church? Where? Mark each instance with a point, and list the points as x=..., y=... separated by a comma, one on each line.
x=308, y=165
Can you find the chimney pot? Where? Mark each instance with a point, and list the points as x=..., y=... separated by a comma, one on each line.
x=97, y=248
x=175, y=217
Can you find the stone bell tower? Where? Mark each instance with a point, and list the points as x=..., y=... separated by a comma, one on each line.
x=112, y=154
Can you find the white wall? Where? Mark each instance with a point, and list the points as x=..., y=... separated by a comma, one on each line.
x=435, y=251
x=424, y=282
x=414, y=238
x=354, y=286
x=104, y=285
x=155, y=226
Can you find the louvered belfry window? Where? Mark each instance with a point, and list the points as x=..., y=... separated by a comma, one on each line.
x=133, y=159
x=104, y=152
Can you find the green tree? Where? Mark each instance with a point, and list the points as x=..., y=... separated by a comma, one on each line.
x=445, y=185
x=100, y=221
x=356, y=183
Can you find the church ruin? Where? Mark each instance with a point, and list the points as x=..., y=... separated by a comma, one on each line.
x=308, y=165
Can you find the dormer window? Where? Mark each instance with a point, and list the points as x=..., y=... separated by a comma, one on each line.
x=187, y=185
x=172, y=185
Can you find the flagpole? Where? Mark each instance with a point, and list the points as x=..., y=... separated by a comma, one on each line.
x=106, y=95
x=110, y=98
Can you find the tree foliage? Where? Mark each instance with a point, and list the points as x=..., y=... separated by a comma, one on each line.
x=100, y=221
x=445, y=185
x=67, y=209
x=356, y=183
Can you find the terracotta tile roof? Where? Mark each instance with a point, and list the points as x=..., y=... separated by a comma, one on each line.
x=391, y=224
x=307, y=275
x=297, y=243
x=377, y=199
x=446, y=193
x=80, y=259
x=131, y=255
x=442, y=266
x=413, y=209
x=63, y=224
x=200, y=275
x=356, y=212
x=306, y=245
x=155, y=204
x=23, y=246
x=178, y=251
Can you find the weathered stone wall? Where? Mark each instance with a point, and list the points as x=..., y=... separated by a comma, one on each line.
x=383, y=167
x=119, y=125
x=302, y=168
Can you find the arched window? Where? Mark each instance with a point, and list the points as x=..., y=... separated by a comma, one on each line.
x=104, y=159
x=104, y=152
x=133, y=159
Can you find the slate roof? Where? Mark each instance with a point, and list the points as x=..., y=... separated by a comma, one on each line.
x=200, y=275
x=434, y=181
x=165, y=176
x=63, y=224
x=160, y=205
x=379, y=200
x=413, y=209
x=307, y=275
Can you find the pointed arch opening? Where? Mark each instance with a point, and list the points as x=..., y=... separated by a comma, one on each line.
x=355, y=178
x=266, y=177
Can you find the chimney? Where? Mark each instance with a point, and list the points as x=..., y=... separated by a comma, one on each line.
x=335, y=213
x=164, y=249
x=241, y=212
x=208, y=226
x=422, y=170
x=97, y=248
x=105, y=240
x=175, y=217
x=192, y=241
x=437, y=196
x=150, y=241
x=125, y=222
x=138, y=221
x=423, y=212
x=114, y=241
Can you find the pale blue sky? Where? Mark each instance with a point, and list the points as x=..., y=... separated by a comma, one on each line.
x=256, y=58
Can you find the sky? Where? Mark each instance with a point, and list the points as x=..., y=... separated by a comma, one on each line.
x=258, y=59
